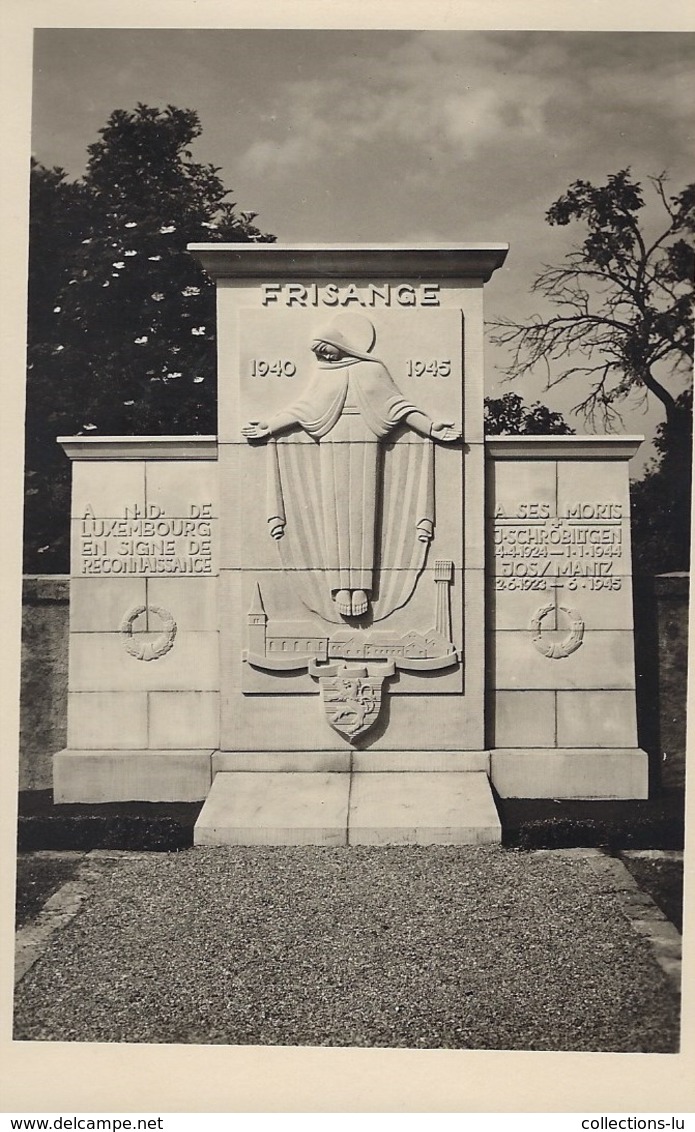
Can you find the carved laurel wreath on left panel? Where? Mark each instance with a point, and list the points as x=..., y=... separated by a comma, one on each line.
x=153, y=648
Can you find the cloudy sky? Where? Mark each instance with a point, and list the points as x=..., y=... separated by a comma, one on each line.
x=394, y=135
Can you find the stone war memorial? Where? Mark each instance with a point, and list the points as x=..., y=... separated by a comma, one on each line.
x=348, y=617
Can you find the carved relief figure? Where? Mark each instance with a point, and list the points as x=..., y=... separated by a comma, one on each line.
x=341, y=498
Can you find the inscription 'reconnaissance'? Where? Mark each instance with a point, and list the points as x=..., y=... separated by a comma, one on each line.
x=146, y=541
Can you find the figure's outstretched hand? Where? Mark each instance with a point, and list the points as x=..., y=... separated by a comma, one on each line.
x=255, y=430
x=445, y=430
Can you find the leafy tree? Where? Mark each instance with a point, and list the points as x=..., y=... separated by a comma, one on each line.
x=623, y=318
x=58, y=221
x=661, y=501
x=508, y=415
x=121, y=327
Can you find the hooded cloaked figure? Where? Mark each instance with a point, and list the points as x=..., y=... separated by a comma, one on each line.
x=350, y=405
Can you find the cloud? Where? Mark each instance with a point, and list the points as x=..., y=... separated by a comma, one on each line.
x=454, y=97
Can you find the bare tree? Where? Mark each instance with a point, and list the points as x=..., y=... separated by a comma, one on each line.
x=623, y=302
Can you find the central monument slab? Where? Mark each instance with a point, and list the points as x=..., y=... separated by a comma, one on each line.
x=352, y=485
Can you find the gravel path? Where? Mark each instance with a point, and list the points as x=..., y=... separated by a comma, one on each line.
x=478, y=948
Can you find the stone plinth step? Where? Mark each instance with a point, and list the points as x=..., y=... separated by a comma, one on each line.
x=274, y=808
x=428, y=808
x=333, y=809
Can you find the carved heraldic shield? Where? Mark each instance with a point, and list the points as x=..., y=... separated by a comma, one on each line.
x=351, y=695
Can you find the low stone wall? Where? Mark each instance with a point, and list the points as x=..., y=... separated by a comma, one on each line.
x=44, y=681
x=661, y=643
x=661, y=654
x=672, y=592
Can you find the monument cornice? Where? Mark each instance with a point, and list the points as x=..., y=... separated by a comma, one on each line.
x=562, y=447
x=139, y=447
x=350, y=261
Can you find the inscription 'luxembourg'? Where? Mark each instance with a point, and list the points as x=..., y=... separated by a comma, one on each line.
x=335, y=295
x=533, y=546
x=147, y=541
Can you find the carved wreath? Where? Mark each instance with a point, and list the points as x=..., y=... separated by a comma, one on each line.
x=556, y=650
x=150, y=649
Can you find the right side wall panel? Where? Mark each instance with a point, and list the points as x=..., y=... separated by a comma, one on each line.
x=561, y=712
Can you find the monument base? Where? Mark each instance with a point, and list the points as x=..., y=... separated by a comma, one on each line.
x=131, y=776
x=94, y=776
x=591, y=773
x=330, y=762
x=341, y=809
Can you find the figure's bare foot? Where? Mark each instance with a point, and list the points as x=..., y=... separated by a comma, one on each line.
x=343, y=601
x=360, y=603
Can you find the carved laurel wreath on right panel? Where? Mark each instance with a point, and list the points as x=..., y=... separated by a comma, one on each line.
x=557, y=650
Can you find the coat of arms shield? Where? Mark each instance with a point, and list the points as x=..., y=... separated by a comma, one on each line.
x=351, y=696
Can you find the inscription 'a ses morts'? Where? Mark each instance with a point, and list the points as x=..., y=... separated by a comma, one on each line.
x=146, y=541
